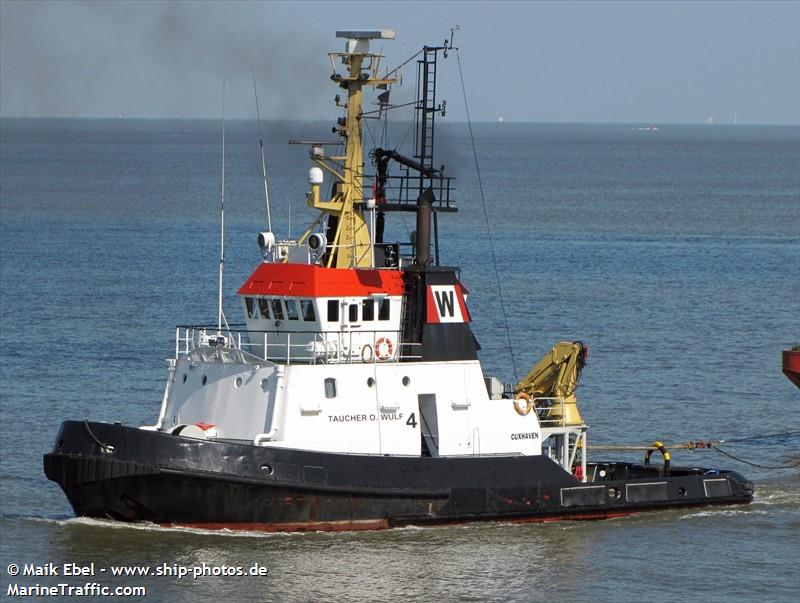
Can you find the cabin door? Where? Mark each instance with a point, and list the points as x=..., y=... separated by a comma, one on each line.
x=351, y=339
x=429, y=424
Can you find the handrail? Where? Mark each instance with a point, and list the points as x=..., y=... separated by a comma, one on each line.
x=292, y=347
x=543, y=411
x=567, y=451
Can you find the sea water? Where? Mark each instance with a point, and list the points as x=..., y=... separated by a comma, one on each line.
x=674, y=254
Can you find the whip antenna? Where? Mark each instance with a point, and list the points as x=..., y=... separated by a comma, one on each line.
x=220, y=313
x=261, y=146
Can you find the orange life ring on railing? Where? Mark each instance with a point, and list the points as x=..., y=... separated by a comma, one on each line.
x=384, y=348
x=523, y=410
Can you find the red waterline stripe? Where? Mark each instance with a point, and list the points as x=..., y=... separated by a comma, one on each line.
x=307, y=526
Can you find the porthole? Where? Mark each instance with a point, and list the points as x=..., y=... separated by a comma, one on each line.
x=205, y=379
x=406, y=381
x=371, y=382
x=238, y=382
x=613, y=493
x=681, y=491
x=267, y=469
x=184, y=377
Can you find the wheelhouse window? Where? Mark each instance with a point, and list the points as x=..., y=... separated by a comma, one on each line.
x=333, y=310
x=291, y=309
x=307, y=307
x=352, y=313
x=368, y=309
x=263, y=305
x=330, y=387
x=252, y=307
x=277, y=309
x=383, y=309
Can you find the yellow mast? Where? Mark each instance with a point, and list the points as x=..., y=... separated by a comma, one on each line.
x=351, y=247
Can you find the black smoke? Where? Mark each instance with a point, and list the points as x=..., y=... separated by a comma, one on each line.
x=159, y=59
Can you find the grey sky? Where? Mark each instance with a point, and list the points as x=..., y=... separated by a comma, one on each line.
x=525, y=61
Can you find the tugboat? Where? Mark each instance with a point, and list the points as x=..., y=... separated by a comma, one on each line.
x=352, y=397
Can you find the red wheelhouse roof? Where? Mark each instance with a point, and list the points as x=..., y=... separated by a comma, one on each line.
x=308, y=280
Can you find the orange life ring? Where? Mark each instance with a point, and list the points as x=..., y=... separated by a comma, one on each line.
x=384, y=348
x=523, y=410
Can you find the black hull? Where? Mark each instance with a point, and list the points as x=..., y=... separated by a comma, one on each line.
x=172, y=480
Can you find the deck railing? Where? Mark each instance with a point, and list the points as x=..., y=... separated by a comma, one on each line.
x=293, y=347
x=550, y=410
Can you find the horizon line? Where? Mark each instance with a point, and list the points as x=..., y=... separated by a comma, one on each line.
x=454, y=121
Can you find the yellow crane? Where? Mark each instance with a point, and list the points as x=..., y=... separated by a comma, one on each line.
x=554, y=379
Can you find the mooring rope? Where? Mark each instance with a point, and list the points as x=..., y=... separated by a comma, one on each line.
x=107, y=448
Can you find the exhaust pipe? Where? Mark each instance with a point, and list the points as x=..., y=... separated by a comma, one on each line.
x=423, y=239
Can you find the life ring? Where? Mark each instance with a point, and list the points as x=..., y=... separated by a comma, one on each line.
x=664, y=452
x=523, y=410
x=384, y=348
x=366, y=353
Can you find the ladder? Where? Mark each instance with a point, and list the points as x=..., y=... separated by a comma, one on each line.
x=426, y=108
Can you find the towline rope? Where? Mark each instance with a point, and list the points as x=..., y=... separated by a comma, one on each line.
x=736, y=458
x=633, y=447
x=764, y=436
x=699, y=444
x=709, y=445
